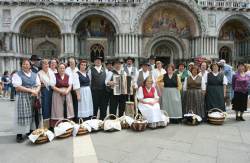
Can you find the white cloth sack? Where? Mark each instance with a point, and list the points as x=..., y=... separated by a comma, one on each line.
x=77, y=126
x=62, y=128
x=95, y=124
x=48, y=133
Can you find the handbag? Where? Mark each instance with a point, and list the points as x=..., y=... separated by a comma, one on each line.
x=36, y=104
x=112, y=124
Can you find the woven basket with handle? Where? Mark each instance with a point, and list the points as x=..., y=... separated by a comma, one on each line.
x=139, y=124
x=68, y=132
x=82, y=130
x=214, y=120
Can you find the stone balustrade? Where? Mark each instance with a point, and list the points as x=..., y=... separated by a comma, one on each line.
x=225, y=4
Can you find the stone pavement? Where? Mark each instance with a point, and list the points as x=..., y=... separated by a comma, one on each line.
x=205, y=143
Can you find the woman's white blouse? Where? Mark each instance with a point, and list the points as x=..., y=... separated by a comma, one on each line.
x=225, y=81
x=46, y=78
x=53, y=81
x=17, y=81
x=74, y=76
x=203, y=84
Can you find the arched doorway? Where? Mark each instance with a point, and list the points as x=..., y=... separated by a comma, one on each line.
x=165, y=51
x=96, y=50
x=225, y=53
x=45, y=36
x=234, y=40
x=96, y=32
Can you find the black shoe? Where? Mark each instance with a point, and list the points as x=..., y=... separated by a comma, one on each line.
x=242, y=119
x=19, y=138
x=237, y=118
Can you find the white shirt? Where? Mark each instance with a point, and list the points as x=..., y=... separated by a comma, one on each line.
x=203, y=84
x=98, y=69
x=17, y=81
x=73, y=75
x=140, y=94
x=46, y=78
x=216, y=74
x=77, y=82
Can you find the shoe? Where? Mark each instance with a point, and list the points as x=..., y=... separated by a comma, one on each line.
x=19, y=138
x=237, y=118
x=242, y=119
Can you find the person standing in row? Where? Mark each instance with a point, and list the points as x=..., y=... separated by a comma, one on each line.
x=71, y=71
x=97, y=75
x=216, y=84
x=194, y=93
x=203, y=67
x=27, y=84
x=116, y=100
x=240, y=86
x=62, y=105
x=53, y=65
x=157, y=75
x=182, y=72
x=46, y=76
x=84, y=95
x=171, y=97
x=142, y=74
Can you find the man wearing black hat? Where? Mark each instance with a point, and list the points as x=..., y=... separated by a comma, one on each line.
x=97, y=75
x=35, y=63
x=116, y=100
x=131, y=71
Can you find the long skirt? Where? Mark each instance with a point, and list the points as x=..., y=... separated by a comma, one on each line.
x=85, y=105
x=215, y=97
x=240, y=101
x=194, y=102
x=58, y=103
x=151, y=113
x=25, y=113
x=46, y=99
x=171, y=102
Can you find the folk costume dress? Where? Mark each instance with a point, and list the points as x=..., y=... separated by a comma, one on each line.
x=158, y=77
x=240, y=87
x=46, y=94
x=59, y=102
x=171, y=97
x=151, y=113
x=193, y=96
x=215, y=91
x=24, y=112
x=85, y=105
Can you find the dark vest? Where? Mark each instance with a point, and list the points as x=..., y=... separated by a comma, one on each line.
x=84, y=81
x=132, y=72
x=62, y=83
x=215, y=80
x=194, y=84
x=28, y=82
x=98, y=79
x=171, y=83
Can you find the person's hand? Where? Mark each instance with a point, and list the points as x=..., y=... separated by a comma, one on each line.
x=111, y=83
x=34, y=92
x=78, y=97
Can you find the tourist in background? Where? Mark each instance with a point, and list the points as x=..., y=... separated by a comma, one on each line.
x=12, y=88
x=6, y=84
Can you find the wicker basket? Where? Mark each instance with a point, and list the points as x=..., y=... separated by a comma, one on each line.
x=190, y=120
x=82, y=130
x=216, y=121
x=139, y=124
x=68, y=132
x=42, y=138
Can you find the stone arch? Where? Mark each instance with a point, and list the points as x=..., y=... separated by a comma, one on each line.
x=240, y=17
x=94, y=11
x=190, y=5
x=32, y=13
x=165, y=37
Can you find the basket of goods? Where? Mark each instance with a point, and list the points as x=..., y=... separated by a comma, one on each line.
x=81, y=128
x=94, y=124
x=139, y=123
x=41, y=135
x=126, y=121
x=64, y=128
x=111, y=123
x=216, y=116
x=192, y=119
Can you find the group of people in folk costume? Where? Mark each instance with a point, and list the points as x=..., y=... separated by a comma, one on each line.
x=77, y=90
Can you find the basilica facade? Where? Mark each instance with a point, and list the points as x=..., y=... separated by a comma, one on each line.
x=173, y=30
